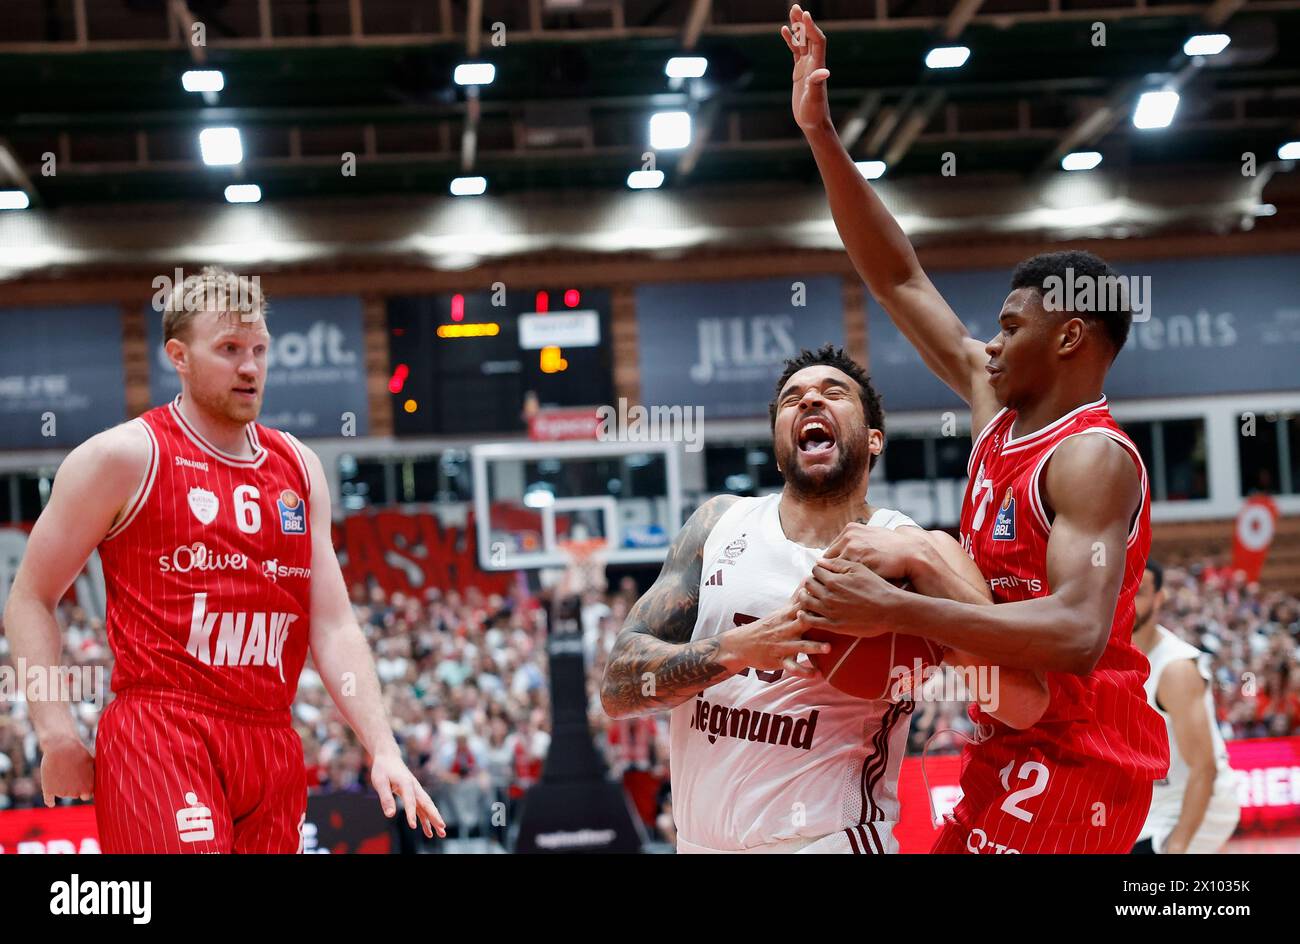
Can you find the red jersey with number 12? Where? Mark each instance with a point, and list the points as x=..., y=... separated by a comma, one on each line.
x=1102, y=717
x=208, y=571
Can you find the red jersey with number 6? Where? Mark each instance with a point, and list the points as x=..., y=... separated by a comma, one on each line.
x=1102, y=717
x=208, y=571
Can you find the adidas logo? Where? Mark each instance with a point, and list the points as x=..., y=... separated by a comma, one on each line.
x=715, y=580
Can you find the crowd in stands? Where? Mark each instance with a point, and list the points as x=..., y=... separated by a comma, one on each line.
x=464, y=676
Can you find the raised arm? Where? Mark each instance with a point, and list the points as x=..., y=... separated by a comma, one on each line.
x=876, y=244
x=654, y=665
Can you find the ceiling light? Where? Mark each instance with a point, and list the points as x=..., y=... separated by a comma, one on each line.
x=1155, y=109
x=221, y=146
x=670, y=130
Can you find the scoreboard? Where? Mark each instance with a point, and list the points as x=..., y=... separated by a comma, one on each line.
x=482, y=361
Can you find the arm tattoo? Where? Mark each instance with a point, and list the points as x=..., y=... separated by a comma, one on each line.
x=653, y=664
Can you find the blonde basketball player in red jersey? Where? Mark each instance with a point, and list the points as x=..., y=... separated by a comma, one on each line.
x=1057, y=517
x=214, y=533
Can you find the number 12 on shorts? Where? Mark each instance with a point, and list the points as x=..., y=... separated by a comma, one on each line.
x=1030, y=770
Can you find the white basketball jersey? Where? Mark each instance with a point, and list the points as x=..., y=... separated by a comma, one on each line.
x=764, y=757
x=1167, y=794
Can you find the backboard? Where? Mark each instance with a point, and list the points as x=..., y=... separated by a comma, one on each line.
x=529, y=498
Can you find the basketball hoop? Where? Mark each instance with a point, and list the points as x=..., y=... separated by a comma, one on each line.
x=585, y=568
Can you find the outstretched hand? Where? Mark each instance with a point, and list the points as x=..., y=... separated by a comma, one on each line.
x=808, y=46
x=389, y=776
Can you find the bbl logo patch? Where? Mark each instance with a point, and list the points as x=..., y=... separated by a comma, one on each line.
x=293, y=513
x=1004, y=528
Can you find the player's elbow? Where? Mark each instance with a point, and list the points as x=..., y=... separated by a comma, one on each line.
x=23, y=597
x=620, y=696
x=1086, y=645
x=608, y=695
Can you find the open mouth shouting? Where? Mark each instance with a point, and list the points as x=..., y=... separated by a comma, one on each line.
x=815, y=436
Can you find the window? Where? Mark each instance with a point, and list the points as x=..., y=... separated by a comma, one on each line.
x=726, y=469
x=905, y=459
x=1174, y=452
x=418, y=479
x=1292, y=452
x=1186, y=476
x=33, y=493
x=646, y=475
x=951, y=454
x=1143, y=436
x=364, y=482
x=456, y=479
x=572, y=478
x=915, y=458
x=742, y=468
x=1258, y=455
x=1268, y=452
x=762, y=461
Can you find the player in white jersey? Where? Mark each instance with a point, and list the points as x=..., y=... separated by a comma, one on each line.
x=766, y=756
x=1195, y=809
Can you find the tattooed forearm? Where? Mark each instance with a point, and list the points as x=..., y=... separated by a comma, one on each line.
x=653, y=675
x=654, y=665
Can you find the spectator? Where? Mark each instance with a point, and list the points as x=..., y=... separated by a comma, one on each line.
x=464, y=676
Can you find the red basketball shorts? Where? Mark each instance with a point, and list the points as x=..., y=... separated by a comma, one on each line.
x=170, y=778
x=1032, y=802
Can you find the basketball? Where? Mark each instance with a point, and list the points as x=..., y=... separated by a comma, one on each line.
x=883, y=667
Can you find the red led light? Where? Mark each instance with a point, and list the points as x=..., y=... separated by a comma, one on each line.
x=398, y=380
x=458, y=308
x=543, y=303
x=571, y=298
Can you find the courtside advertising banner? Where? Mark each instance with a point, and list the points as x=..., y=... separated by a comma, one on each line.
x=1268, y=789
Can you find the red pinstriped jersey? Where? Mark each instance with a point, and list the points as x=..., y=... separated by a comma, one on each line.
x=208, y=570
x=1102, y=716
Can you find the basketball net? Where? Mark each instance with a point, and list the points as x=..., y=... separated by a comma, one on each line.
x=585, y=568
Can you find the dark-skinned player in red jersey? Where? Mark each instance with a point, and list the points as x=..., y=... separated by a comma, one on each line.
x=1057, y=516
